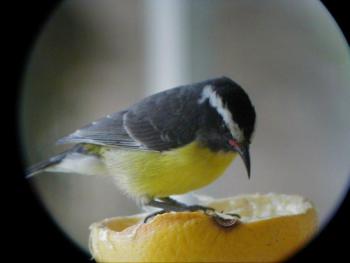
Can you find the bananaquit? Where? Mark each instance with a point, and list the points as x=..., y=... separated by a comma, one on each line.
x=169, y=143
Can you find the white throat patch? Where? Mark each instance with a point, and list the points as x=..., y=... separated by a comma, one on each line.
x=216, y=102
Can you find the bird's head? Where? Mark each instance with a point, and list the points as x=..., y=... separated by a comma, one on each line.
x=228, y=121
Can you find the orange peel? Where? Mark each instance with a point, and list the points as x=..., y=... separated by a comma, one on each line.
x=272, y=227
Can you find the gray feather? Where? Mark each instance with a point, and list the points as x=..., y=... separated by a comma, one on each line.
x=163, y=121
x=105, y=131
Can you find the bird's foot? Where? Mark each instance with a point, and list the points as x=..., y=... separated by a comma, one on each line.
x=167, y=204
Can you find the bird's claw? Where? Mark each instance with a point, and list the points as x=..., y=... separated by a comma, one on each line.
x=150, y=216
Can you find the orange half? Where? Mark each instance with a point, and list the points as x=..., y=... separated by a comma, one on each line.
x=272, y=227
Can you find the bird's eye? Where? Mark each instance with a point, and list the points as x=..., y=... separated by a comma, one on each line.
x=233, y=143
x=223, y=126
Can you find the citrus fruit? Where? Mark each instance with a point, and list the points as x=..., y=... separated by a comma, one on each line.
x=272, y=227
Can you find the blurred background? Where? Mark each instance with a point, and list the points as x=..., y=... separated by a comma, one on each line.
x=96, y=57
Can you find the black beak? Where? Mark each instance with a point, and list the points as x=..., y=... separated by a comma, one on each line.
x=243, y=151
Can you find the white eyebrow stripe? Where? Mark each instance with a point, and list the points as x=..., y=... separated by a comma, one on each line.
x=216, y=102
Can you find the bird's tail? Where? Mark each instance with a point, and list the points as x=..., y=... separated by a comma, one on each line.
x=78, y=159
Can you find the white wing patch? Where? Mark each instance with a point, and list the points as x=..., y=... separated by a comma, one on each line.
x=80, y=164
x=216, y=102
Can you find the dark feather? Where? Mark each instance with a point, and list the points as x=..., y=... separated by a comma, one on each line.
x=156, y=123
x=39, y=167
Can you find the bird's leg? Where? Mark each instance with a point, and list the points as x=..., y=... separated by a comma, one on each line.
x=167, y=204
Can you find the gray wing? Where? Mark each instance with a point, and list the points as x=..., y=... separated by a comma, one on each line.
x=160, y=122
x=105, y=131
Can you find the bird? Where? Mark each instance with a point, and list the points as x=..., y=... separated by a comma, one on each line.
x=169, y=143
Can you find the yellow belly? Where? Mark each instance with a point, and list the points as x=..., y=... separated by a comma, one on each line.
x=155, y=174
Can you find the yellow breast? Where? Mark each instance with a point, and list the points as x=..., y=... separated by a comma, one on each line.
x=160, y=174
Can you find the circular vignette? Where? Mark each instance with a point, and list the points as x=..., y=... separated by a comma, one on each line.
x=327, y=235
x=328, y=243
x=36, y=234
